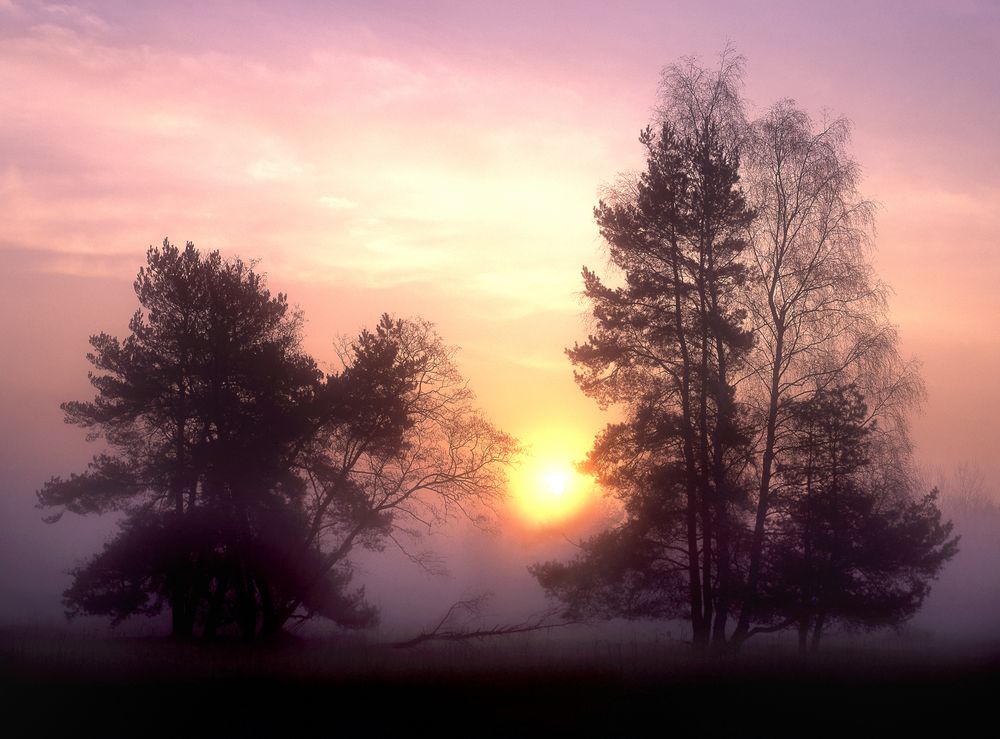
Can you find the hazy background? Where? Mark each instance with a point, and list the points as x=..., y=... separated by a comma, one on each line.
x=443, y=159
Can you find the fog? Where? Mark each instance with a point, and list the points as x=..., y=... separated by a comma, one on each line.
x=49, y=368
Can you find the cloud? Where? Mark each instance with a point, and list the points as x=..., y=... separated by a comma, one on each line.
x=75, y=15
x=474, y=180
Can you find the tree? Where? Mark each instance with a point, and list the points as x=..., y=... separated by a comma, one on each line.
x=747, y=293
x=818, y=313
x=447, y=460
x=665, y=346
x=847, y=548
x=220, y=432
x=199, y=407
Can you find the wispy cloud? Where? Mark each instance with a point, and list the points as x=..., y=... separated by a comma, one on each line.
x=79, y=15
x=415, y=180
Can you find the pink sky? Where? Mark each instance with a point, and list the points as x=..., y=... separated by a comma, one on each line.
x=443, y=159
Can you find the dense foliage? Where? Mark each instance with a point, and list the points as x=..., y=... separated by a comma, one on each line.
x=247, y=475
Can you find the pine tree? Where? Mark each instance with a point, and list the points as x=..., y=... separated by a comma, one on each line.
x=246, y=476
x=663, y=348
x=848, y=548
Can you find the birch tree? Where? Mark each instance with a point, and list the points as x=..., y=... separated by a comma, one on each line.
x=817, y=310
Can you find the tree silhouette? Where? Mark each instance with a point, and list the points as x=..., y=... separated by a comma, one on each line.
x=246, y=474
x=445, y=459
x=848, y=547
x=818, y=312
x=746, y=306
x=665, y=346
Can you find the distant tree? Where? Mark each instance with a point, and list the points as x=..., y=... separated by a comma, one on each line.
x=970, y=501
x=847, y=547
x=219, y=428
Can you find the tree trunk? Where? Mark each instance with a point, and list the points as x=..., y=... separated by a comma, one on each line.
x=817, y=632
x=720, y=498
x=763, y=493
x=699, y=628
x=246, y=605
x=705, y=507
x=803, y=634
x=181, y=626
x=216, y=601
x=272, y=622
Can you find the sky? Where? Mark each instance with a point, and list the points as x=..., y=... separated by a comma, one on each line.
x=443, y=160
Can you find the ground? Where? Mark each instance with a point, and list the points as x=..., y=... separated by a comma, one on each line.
x=52, y=683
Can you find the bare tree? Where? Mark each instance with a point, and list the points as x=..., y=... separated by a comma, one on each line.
x=817, y=310
x=450, y=461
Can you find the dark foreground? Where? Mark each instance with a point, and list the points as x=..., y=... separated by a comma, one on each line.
x=59, y=684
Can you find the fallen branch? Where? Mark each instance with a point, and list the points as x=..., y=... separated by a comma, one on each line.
x=473, y=606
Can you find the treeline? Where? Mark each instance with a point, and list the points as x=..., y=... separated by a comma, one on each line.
x=247, y=476
x=763, y=463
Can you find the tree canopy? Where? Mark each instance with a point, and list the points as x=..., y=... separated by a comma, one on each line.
x=246, y=475
x=747, y=313
x=849, y=545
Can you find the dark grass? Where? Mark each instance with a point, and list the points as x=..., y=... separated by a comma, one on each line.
x=54, y=684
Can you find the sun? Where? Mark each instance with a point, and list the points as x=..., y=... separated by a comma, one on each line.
x=556, y=481
x=548, y=489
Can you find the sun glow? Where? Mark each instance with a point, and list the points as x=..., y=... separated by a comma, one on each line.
x=547, y=488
